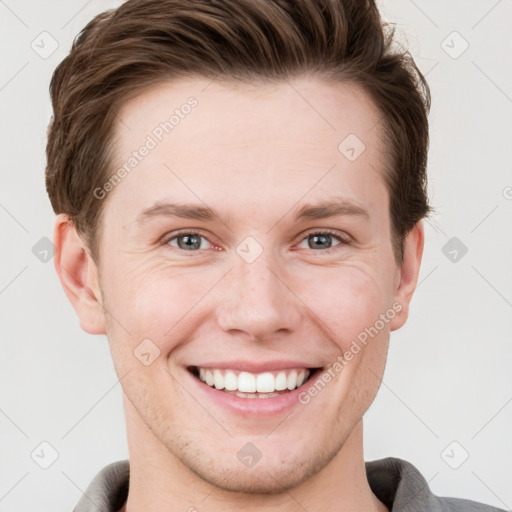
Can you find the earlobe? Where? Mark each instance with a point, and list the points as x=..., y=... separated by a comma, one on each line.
x=409, y=272
x=78, y=276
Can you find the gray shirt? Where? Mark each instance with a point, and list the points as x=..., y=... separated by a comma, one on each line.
x=396, y=482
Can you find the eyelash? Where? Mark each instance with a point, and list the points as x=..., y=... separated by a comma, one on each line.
x=343, y=240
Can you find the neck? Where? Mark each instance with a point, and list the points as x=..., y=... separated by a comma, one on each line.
x=160, y=482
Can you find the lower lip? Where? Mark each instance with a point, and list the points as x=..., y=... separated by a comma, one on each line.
x=252, y=406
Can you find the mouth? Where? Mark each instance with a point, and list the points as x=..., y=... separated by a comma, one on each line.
x=247, y=385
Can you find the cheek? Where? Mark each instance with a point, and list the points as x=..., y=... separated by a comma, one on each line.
x=346, y=300
x=158, y=304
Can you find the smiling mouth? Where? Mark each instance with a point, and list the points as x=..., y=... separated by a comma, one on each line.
x=254, y=385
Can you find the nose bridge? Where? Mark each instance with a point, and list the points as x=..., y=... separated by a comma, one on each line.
x=256, y=300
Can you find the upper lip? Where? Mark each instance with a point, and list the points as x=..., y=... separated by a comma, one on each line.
x=255, y=367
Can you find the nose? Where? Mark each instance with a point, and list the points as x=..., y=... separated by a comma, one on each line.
x=258, y=299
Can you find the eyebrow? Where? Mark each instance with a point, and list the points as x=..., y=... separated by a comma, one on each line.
x=332, y=208
x=185, y=211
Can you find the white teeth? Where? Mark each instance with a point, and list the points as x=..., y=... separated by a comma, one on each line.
x=280, y=384
x=291, y=381
x=230, y=381
x=265, y=383
x=246, y=395
x=218, y=379
x=246, y=382
x=249, y=385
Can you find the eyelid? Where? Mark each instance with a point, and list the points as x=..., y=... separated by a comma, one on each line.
x=342, y=237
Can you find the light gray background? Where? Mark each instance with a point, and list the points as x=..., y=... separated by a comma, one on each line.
x=448, y=376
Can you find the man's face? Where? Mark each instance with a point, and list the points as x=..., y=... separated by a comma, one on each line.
x=254, y=289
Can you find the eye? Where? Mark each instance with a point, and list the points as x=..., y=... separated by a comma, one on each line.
x=187, y=241
x=192, y=241
x=323, y=240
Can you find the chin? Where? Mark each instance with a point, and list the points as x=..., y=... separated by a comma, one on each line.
x=264, y=480
x=267, y=476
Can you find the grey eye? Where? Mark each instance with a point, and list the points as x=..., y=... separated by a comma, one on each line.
x=320, y=240
x=187, y=241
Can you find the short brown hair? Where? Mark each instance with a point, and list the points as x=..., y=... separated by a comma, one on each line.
x=123, y=51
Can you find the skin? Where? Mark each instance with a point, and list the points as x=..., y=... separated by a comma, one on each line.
x=256, y=154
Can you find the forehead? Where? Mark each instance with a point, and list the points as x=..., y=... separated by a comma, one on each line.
x=303, y=111
x=217, y=140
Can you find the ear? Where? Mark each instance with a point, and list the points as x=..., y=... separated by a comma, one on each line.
x=408, y=273
x=78, y=276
